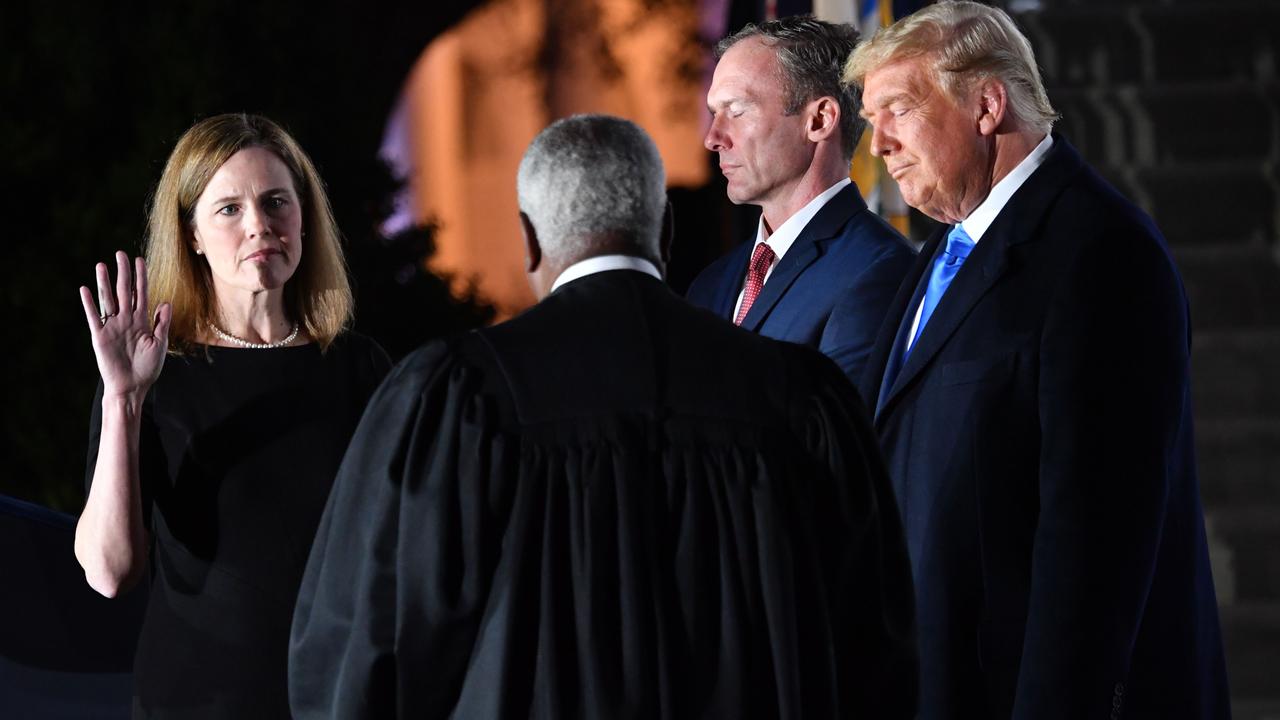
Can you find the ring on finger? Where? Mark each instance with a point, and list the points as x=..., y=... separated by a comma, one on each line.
x=103, y=318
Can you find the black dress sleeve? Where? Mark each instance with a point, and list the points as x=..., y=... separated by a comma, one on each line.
x=373, y=359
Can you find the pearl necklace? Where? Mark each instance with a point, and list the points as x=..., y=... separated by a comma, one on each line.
x=228, y=337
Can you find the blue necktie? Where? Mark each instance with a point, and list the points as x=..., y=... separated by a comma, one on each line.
x=945, y=267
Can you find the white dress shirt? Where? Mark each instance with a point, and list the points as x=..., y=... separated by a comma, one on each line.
x=975, y=226
x=604, y=263
x=784, y=236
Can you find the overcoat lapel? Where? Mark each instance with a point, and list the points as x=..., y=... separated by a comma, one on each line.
x=980, y=272
x=807, y=248
x=890, y=366
x=1019, y=222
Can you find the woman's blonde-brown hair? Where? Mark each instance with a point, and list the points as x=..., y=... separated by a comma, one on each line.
x=318, y=296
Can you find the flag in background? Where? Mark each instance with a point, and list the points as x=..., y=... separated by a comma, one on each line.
x=872, y=15
x=879, y=190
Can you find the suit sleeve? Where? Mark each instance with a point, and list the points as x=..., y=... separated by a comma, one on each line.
x=1113, y=391
x=392, y=586
x=860, y=310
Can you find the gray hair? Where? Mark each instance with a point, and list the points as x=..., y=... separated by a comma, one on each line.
x=588, y=175
x=811, y=53
x=967, y=42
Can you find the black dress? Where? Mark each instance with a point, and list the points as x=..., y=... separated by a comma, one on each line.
x=238, y=450
x=613, y=506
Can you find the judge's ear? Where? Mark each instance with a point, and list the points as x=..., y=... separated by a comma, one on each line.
x=666, y=235
x=532, y=250
x=993, y=106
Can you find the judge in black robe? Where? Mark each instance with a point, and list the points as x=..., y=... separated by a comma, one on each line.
x=615, y=505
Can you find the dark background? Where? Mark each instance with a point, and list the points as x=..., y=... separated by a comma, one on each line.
x=94, y=98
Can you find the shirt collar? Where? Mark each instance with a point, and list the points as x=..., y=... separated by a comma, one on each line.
x=987, y=211
x=604, y=263
x=785, y=234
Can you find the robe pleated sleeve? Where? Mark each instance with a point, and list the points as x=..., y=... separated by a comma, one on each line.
x=640, y=563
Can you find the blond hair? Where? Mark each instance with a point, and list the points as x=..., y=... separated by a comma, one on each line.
x=966, y=42
x=318, y=296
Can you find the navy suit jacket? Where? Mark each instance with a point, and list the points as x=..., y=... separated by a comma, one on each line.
x=1039, y=441
x=830, y=290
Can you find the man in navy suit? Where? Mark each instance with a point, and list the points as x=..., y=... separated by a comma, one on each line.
x=823, y=268
x=1032, y=396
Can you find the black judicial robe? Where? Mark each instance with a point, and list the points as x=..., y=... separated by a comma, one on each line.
x=614, y=505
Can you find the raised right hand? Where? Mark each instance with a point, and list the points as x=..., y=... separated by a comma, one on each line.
x=129, y=349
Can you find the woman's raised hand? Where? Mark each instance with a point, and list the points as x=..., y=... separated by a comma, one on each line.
x=130, y=350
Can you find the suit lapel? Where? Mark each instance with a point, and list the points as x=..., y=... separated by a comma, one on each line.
x=1017, y=223
x=807, y=248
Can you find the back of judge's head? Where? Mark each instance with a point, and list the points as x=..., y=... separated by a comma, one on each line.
x=963, y=43
x=593, y=181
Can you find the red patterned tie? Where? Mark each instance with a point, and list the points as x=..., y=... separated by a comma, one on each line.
x=761, y=258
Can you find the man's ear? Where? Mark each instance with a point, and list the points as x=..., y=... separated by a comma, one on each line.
x=532, y=250
x=824, y=119
x=993, y=105
x=666, y=235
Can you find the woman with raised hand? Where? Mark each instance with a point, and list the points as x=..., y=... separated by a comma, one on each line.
x=230, y=387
